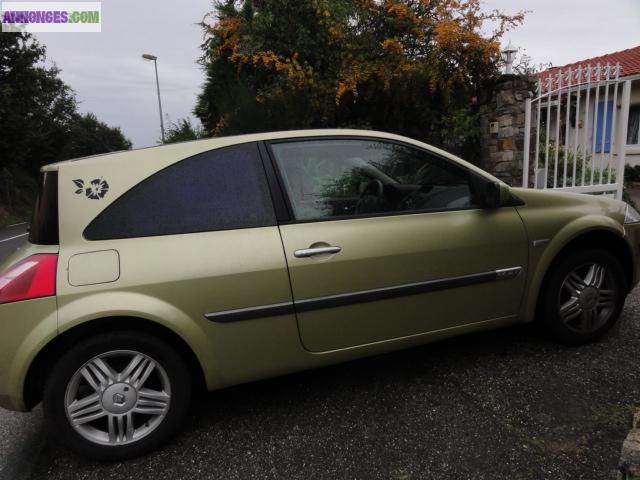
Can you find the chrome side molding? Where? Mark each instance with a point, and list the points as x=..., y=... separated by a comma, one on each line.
x=251, y=312
x=507, y=273
x=540, y=242
x=362, y=296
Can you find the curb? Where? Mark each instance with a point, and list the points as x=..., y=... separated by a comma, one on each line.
x=630, y=456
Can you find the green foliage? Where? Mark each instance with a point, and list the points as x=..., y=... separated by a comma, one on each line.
x=183, y=131
x=632, y=173
x=38, y=111
x=88, y=136
x=40, y=123
x=626, y=197
x=412, y=67
x=584, y=163
x=631, y=177
x=576, y=165
x=17, y=191
x=36, y=107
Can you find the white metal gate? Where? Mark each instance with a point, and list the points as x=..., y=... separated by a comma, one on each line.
x=577, y=123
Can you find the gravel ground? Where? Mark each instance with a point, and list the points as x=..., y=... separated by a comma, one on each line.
x=501, y=405
x=21, y=438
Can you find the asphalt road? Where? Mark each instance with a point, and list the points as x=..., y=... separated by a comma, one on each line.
x=507, y=404
x=11, y=238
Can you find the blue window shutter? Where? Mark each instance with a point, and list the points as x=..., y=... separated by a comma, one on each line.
x=599, y=126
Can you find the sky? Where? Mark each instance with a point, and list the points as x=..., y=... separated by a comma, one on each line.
x=112, y=80
x=566, y=31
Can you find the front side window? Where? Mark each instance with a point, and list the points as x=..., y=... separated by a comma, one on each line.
x=337, y=178
x=217, y=190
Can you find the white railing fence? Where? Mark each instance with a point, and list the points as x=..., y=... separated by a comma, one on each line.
x=576, y=129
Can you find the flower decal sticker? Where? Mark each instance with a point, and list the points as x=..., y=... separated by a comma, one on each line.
x=98, y=189
x=80, y=184
x=95, y=190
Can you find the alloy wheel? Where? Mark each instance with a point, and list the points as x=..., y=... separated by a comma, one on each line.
x=587, y=298
x=118, y=397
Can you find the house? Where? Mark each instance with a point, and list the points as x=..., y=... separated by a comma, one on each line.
x=588, y=127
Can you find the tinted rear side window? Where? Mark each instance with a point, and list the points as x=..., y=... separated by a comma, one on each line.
x=217, y=190
x=44, y=224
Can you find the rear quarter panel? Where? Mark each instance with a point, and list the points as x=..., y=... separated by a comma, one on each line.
x=26, y=327
x=173, y=280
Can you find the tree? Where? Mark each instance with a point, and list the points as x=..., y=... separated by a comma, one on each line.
x=40, y=124
x=88, y=135
x=38, y=111
x=415, y=67
x=183, y=131
x=35, y=105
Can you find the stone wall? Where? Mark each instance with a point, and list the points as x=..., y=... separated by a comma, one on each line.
x=630, y=457
x=502, y=125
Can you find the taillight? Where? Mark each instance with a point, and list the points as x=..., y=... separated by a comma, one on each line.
x=33, y=277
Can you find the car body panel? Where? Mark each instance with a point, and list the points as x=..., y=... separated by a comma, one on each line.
x=632, y=237
x=26, y=328
x=401, y=250
x=175, y=280
x=552, y=220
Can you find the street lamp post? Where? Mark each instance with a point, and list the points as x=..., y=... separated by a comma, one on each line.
x=147, y=56
x=509, y=55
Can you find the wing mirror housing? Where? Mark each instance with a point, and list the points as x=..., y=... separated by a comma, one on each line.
x=492, y=194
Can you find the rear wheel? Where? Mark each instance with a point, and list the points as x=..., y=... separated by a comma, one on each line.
x=583, y=296
x=117, y=395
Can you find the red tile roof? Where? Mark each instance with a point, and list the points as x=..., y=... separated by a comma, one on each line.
x=628, y=59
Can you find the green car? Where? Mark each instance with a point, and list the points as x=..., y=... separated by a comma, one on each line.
x=155, y=273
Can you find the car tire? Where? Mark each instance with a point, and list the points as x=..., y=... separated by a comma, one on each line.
x=582, y=297
x=117, y=395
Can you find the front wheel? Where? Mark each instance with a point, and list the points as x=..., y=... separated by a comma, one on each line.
x=117, y=395
x=583, y=296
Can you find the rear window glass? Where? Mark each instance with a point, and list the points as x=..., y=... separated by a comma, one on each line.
x=217, y=190
x=44, y=224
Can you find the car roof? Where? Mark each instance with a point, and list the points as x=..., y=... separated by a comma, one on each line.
x=189, y=148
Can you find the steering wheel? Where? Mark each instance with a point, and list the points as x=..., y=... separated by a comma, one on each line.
x=414, y=199
x=371, y=197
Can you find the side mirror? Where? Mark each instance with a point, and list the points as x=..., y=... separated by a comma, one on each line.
x=493, y=194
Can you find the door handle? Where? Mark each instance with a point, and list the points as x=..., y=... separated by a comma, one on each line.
x=310, y=252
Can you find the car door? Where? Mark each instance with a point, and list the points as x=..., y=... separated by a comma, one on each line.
x=388, y=240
